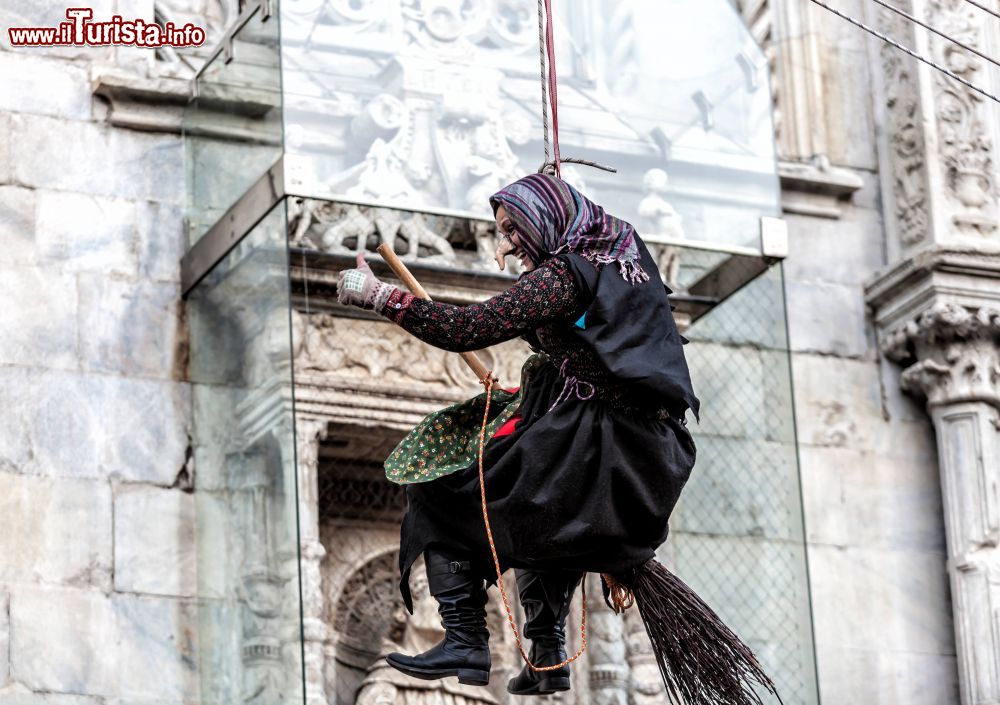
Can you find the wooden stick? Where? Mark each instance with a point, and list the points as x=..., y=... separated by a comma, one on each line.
x=404, y=274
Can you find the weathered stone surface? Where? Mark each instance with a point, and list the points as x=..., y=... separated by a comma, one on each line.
x=842, y=251
x=5, y=168
x=131, y=429
x=17, y=221
x=851, y=676
x=4, y=639
x=106, y=161
x=867, y=499
x=155, y=548
x=850, y=128
x=892, y=598
x=837, y=402
x=17, y=694
x=38, y=318
x=44, y=86
x=753, y=479
x=78, y=641
x=77, y=232
x=55, y=530
x=131, y=328
x=827, y=318
x=162, y=240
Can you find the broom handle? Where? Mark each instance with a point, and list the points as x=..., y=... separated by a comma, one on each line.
x=404, y=274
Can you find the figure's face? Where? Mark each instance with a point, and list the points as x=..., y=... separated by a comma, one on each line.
x=508, y=242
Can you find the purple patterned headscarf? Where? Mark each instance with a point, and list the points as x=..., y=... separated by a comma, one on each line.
x=553, y=217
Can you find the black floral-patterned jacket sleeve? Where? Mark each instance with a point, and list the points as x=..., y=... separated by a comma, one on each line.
x=541, y=296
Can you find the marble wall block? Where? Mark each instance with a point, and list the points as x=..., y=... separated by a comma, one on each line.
x=43, y=85
x=132, y=328
x=106, y=161
x=83, y=233
x=847, y=250
x=17, y=694
x=5, y=166
x=38, y=318
x=128, y=429
x=740, y=487
x=827, y=318
x=4, y=639
x=867, y=499
x=724, y=372
x=876, y=599
x=837, y=402
x=847, y=86
x=55, y=531
x=162, y=240
x=154, y=541
x=876, y=675
x=84, y=642
x=17, y=221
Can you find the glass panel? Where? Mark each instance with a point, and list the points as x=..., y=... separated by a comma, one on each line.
x=433, y=106
x=738, y=534
x=245, y=489
x=232, y=129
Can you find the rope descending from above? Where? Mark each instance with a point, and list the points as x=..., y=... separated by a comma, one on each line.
x=550, y=98
x=487, y=381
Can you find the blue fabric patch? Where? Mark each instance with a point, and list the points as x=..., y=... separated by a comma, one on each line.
x=581, y=323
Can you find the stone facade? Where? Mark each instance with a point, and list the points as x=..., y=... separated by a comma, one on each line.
x=892, y=290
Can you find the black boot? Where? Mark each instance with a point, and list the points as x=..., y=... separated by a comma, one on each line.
x=545, y=597
x=464, y=652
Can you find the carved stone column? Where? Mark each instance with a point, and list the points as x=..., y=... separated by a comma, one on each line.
x=952, y=355
x=308, y=435
x=936, y=308
x=607, y=665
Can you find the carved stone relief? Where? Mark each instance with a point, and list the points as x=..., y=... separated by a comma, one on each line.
x=953, y=354
x=966, y=148
x=906, y=139
x=383, y=353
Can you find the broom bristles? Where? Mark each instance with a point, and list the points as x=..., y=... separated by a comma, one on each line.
x=701, y=660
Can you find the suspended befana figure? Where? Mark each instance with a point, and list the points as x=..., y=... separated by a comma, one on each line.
x=583, y=462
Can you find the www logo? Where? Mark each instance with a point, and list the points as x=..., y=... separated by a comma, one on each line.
x=81, y=30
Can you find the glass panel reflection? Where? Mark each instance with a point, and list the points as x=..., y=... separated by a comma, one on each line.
x=233, y=128
x=737, y=531
x=245, y=490
x=433, y=106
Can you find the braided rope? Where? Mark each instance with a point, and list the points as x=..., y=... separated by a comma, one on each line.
x=487, y=382
x=541, y=62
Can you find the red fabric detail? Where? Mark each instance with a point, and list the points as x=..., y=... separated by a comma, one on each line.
x=508, y=428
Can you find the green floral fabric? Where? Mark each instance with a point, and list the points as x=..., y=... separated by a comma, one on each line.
x=448, y=440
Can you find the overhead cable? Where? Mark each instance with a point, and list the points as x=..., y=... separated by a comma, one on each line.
x=936, y=31
x=984, y=8
x=910, y=52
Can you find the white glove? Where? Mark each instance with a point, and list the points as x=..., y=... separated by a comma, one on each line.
x=359, y=287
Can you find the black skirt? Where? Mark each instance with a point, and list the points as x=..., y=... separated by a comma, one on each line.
x=584, y=486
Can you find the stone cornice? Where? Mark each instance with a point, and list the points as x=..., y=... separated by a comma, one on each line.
x=808, y=189
x=959, y=275
x=153, y=104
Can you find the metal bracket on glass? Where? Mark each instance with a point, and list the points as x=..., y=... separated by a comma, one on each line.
x=265, y=10
x=737, y=270
x=235, y=223
x=773, y=237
